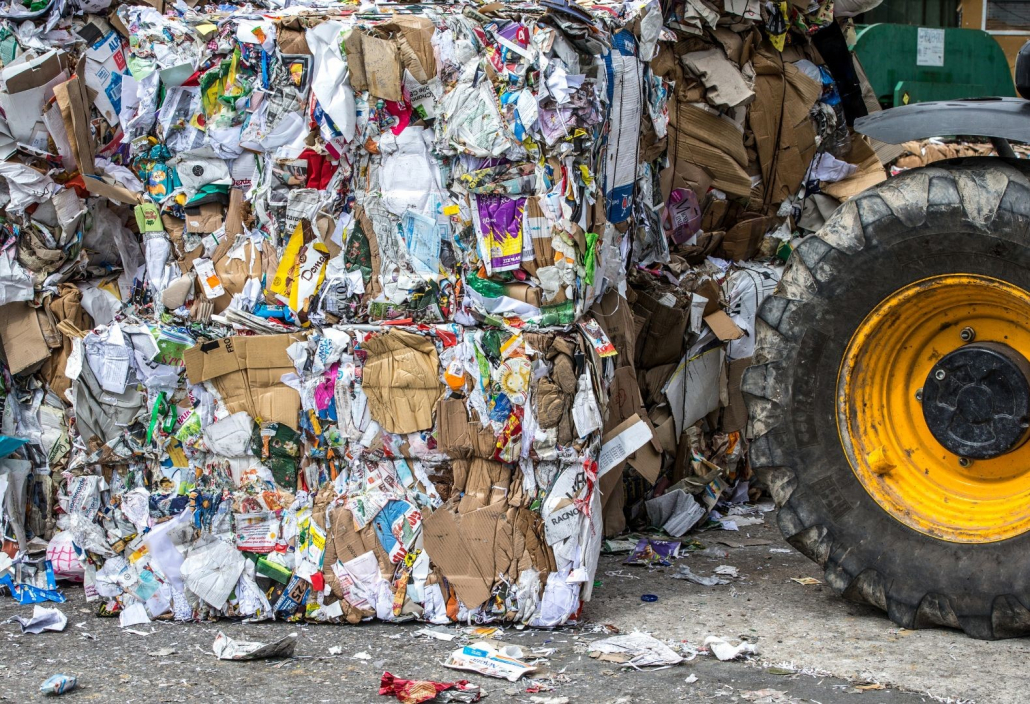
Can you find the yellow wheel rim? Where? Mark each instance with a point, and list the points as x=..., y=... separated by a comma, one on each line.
x=880, y=418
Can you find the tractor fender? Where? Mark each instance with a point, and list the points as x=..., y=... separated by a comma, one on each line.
x=997, y=118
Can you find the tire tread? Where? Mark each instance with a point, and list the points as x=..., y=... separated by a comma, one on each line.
x=981, y=188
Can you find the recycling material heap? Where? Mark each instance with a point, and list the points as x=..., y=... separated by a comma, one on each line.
x=333, y=312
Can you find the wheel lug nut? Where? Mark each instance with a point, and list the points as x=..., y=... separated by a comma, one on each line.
x=964, y=461
x=968, y=334
x=939, y=375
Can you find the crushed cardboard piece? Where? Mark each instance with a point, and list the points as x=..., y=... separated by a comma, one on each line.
x=247, y=373
x=401, y=381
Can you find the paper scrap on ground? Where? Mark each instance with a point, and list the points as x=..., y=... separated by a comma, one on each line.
x=722, y=649
x=689, y=575
x=635, y=650
x=43, y=619
x=418, y=691
x=487, y=660
x=228, y=649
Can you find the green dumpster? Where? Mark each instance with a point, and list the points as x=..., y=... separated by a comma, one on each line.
x=908, y=64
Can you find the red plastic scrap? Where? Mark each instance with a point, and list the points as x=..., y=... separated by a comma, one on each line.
x=417, y=691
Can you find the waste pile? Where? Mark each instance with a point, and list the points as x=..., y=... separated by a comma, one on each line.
x=926, y=151
x=336, y=312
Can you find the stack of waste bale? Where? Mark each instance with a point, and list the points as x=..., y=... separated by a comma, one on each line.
x=339, y=312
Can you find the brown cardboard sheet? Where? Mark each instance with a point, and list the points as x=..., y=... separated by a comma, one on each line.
x=401, y=381
x=22, y=338
x=247, y=373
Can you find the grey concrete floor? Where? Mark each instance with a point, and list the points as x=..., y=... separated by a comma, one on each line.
x=836, y=650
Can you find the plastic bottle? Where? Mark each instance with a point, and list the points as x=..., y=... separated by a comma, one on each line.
x=454, y=375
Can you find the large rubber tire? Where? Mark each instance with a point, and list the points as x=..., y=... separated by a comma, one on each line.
x=965, y=216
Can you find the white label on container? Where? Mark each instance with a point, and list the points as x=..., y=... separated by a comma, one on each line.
x=930, y=47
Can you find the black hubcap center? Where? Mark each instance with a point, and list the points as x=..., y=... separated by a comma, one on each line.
x=976, y=400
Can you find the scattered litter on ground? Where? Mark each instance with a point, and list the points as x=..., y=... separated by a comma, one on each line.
x=637, y=650
x=417, y=691
x=228, y=649
x=43, y=619
x=484, y=658
x=58, y=684
x=653, y=553
x=684, y=572
x=724, y=650
x=766, y=696
x=437, y=634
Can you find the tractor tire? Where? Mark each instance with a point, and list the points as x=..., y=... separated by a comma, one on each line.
x=964, y=217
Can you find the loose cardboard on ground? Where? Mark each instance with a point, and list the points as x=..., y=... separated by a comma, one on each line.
x=401, y=381
x=247, y=372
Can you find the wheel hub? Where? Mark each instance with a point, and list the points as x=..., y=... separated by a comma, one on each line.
x=933, y=402
x=976, y=400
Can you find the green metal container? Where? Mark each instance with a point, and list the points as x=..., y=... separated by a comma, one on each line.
x=907, y=64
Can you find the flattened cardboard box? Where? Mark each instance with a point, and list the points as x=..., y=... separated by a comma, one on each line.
x=463, y=549
x=784, y=135
x=401, y=381
x=247, y=372
x=28, y=85
x=711, y=143
x=22, y=337
x=459, y=436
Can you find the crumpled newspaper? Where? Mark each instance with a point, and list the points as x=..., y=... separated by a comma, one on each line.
x=43, y=619
x=228, y=649
x=637, y=650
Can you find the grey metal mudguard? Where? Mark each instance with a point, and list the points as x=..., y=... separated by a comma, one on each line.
x=1005, y=118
